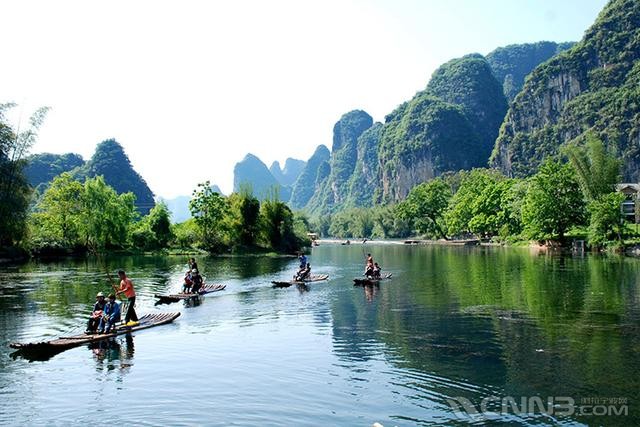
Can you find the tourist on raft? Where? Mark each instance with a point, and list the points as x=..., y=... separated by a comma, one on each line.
x=368, y=269
x=193, y=265
x=303, y=274
x=126, y=288
x=376, y=271
x=303, y=261
x=197, y=281
x=96, y=314
x=110, y=315
x=188, y=282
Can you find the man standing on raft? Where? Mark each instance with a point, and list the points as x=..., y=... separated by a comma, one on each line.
x=126, y=288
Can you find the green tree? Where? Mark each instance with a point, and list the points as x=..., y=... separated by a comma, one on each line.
x=209, y=210
x=491, y=210
x=61, y=206
x=159, y=219
x=606, y=222
x=321, y=224
x=186, y=234
x=14, y=189
x=468, y=202
x=553, y=203
x=341, y=225
x=425, y=206
x=244, y=212
x=106, y=216
x=597, y=171
x=276, y=221
x=362, y=224
x=154, y=230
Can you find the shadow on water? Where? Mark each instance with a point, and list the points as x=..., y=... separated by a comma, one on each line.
x=36, y=355
x=107, y=349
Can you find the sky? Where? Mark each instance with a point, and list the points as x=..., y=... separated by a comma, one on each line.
x=190, y=87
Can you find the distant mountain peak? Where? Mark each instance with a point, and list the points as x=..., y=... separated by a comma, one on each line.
x=253, y=173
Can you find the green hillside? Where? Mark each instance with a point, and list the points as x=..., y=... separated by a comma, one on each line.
x=592, y=86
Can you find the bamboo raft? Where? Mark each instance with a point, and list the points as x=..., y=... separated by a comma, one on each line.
x=368, y=281
x=206, y=289
x=312, y=278
x=44, y=350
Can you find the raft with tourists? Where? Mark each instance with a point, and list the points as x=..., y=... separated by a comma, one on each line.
x=206, y=289
x=312, y=278
x=46, y=349
x=371, y=280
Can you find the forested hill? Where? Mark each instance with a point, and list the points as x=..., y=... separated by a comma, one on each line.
x=42, y=168
x=109, y=160
x=594, y=86
x=511, y=64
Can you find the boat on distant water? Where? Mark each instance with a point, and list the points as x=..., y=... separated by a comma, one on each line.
x=206, y=289
x=312, y=278
x=371, y=281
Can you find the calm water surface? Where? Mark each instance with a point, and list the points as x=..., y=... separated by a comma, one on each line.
x=453, y=323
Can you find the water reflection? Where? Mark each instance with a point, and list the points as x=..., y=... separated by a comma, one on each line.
x=504, y=321
x=454, y=322
x=302, y=287
x=371, y=291
x=110, y=354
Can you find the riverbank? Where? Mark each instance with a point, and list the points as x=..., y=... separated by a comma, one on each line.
x=469, y=242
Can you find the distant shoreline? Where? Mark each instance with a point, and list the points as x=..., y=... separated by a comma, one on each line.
x=407, y=242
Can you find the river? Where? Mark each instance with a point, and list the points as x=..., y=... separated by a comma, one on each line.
x=458, y=335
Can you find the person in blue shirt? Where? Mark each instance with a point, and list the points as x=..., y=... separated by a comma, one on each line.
x=111, y=315
x=303, y=265
x=303, y=260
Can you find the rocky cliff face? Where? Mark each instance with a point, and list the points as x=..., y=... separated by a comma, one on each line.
x=422, y=139
x=344, y=151
x=451, y=125
x=364, y=183
x=593, y=86
x=310, y=178
x=334, y=188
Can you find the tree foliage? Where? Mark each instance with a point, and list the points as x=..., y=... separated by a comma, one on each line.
x=90, y=215
x=425, y=206
x=597, y=171
x=14, y=189
x=605, y=219
x=554, y=202
x=209, y=210
x=154, y=231
x=277, y=225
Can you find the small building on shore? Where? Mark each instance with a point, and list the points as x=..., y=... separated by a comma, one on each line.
x=631, y=206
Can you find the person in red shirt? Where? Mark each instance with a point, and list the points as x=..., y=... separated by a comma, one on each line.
x=126, y=288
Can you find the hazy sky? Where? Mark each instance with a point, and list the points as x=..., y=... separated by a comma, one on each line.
x=189, y=87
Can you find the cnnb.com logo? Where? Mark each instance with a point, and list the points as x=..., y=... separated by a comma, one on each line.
x=494, y=407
